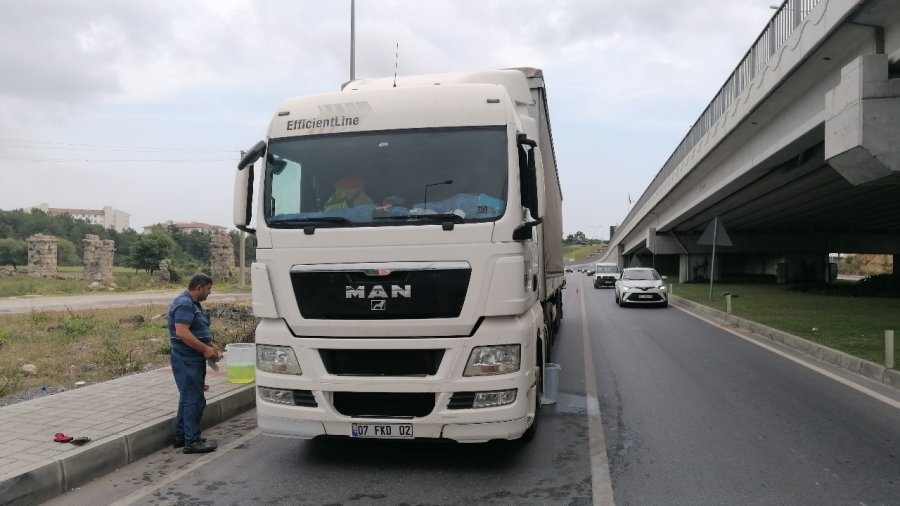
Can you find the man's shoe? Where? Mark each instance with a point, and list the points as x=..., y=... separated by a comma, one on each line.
x=200, y=447
x=179, y=443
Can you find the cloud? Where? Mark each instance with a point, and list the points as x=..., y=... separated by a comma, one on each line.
x=625, y=79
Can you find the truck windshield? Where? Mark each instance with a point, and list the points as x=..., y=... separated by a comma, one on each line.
x=411, y=177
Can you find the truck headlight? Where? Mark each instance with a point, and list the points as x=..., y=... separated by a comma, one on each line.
x=490, y=360
x=277, y=359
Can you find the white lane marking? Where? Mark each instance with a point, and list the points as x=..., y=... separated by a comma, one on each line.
x=601, y=484
x=200, y=462
x=859, y=388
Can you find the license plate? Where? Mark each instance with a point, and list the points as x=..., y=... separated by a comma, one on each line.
x=645, y=296
x=380, y=430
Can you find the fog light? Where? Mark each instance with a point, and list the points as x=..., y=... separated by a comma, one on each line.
x=276, y=395
x=491, y=399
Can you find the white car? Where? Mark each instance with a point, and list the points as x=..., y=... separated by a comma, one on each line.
x=641, y=285
x=607, y=274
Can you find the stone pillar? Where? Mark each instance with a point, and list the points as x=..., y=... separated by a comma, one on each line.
x=98, y=258
x=42, y=255
x=221, y=256
x=165, y=270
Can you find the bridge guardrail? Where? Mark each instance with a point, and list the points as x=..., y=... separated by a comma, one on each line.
x=783, y=23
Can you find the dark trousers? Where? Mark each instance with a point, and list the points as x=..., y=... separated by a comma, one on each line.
x=189, y=368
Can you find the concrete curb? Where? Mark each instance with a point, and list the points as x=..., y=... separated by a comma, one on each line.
x=43, y=482
x=871, y=370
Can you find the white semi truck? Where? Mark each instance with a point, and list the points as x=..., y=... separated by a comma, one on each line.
x=409, y=268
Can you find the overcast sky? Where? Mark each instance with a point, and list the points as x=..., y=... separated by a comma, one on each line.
x=145, y=105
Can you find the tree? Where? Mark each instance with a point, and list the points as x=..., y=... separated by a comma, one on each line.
x=66, y=253
x=576, y=238
x=249, y=247
x=124, y=240
x=194, y=244
x=149, y=249
x=13, y=252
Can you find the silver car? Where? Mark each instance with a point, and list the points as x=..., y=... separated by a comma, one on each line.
x=641, y=285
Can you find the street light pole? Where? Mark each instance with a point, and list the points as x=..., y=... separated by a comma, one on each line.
x=352, y=40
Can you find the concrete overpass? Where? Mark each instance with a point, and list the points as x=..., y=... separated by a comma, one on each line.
x=798, y=154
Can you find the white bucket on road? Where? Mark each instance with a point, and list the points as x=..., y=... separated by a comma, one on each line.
x=551, y=383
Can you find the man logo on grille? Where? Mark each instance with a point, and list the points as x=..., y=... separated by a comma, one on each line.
x=378, y=305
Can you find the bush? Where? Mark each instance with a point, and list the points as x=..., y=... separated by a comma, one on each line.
x=880, y=285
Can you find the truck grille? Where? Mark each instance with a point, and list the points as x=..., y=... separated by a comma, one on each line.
x=381, y=291
x=384, y=404
x=382, y=362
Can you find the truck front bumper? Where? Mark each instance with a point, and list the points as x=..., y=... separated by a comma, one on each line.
x=459, y=432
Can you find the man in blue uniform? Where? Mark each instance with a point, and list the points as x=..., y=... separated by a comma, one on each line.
x=191, y=339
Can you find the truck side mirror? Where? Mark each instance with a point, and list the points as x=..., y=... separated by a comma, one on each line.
x=250, y=157
x=243, y=188
x=528, y=174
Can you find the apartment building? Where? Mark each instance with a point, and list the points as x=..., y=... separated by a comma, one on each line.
x=108, y=217
x=186, y=227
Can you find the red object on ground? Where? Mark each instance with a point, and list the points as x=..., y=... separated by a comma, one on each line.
x=206, y=388
x=62, y=438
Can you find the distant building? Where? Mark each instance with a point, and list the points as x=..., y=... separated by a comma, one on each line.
x=186, y=227
x=108, y=217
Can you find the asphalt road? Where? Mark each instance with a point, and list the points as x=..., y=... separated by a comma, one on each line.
x=691, y=414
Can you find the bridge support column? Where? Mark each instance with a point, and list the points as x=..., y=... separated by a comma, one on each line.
x=862, y=125
x=804, y=269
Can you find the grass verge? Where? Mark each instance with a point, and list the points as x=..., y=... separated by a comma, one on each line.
x=69, y=282
x=854, y=325
x=98, y=345
x=579, y=253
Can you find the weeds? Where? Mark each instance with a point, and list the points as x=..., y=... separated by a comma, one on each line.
x=10, y=381
x=98, y=345
x=77, y=325
x=38, y=319
x=118, y=359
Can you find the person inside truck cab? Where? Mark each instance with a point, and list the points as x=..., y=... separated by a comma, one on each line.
x=348, y=192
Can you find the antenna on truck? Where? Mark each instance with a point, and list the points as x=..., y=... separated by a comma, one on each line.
x=396, y=62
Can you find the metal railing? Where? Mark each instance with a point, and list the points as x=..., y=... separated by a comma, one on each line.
x=786, y=19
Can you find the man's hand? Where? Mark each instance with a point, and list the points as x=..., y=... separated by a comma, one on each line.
x=212, y=353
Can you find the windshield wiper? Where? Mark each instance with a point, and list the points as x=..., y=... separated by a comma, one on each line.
x=453, y=217
x=318, y=221
x=442, y=217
